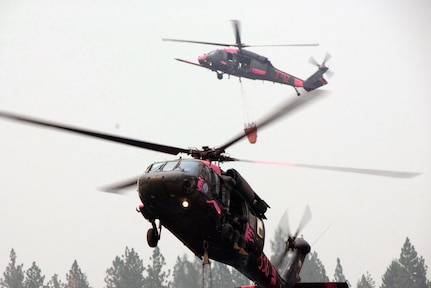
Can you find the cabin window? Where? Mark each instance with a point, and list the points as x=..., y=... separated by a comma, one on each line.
x=229, y=56
x=244, y=62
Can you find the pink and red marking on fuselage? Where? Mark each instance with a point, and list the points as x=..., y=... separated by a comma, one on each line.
x=286, y=77
x=214, y=167
x=230, y=50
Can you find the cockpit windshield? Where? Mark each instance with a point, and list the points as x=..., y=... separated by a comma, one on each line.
x=170, y=165
x=213, y=52
x=155, y=167
x=188, y=166
x=182, y=165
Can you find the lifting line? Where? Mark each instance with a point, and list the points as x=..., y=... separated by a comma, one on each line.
x=206, y=261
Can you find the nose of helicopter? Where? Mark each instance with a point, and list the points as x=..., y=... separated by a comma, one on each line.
x=165, y=189
x=202, y=58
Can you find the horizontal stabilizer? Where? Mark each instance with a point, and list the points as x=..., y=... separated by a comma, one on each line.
x=321, y=285
x=316, y=80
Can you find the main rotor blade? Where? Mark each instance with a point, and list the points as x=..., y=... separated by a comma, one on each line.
x=119, y=186
x=198, y=42
x=288, y=107
x=284, y=45
x=137, y=143
x=236, y=27
x=376, y=172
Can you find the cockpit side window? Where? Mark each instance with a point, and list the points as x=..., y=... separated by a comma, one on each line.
x=211, y=179
x=215, y=184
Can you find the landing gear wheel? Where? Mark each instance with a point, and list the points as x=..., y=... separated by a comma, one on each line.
x=152, y=237
x=219, y=76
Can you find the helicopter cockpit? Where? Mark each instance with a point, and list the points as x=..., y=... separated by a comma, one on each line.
x=197, y=175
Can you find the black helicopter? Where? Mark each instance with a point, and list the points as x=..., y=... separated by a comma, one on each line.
x=215, y=213
x=237, y=61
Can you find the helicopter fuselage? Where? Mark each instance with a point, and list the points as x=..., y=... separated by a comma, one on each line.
x=206, y=209
x=247, y=64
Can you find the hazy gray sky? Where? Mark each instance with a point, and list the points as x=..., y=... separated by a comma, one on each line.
x=102, y=65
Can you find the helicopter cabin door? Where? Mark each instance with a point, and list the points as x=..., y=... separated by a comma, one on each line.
x=243, y=65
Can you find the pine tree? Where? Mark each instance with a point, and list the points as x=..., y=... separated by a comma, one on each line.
x=313, y=269
x=238, y=279
x=54, y=283
x=408, y=271
x=221, y=275
x=126, y=271
x=186, y=274
x=76, y=278
x=156, y=277
x=338, y=275
x=366, y=281
x=13, y=277
x=396, y=276
x=34, y=277
x=278, y=245
x=414, y=265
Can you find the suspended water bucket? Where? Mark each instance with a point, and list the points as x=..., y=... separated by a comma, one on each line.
x=250, y=130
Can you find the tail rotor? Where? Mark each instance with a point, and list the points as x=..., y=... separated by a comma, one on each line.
x=317, y=80
x=322, y=66
x=293, y=242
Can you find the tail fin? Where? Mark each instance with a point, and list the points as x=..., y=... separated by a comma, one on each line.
x=298, y=248
x=316, y=80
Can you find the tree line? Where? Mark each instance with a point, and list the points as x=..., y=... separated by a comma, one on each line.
x=128, y=270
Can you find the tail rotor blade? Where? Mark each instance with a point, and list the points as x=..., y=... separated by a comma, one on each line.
x=313, y=61
x=326, y=59
x=284, y=225
x=306, y=217
x=330, y=73
x=286, y=233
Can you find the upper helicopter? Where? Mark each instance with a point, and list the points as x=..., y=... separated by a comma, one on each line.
x=237, y=61
x=215, y=212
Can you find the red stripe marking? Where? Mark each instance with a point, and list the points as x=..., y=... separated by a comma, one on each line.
x=258, y=71
x=298, y=83
x=215, y=204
